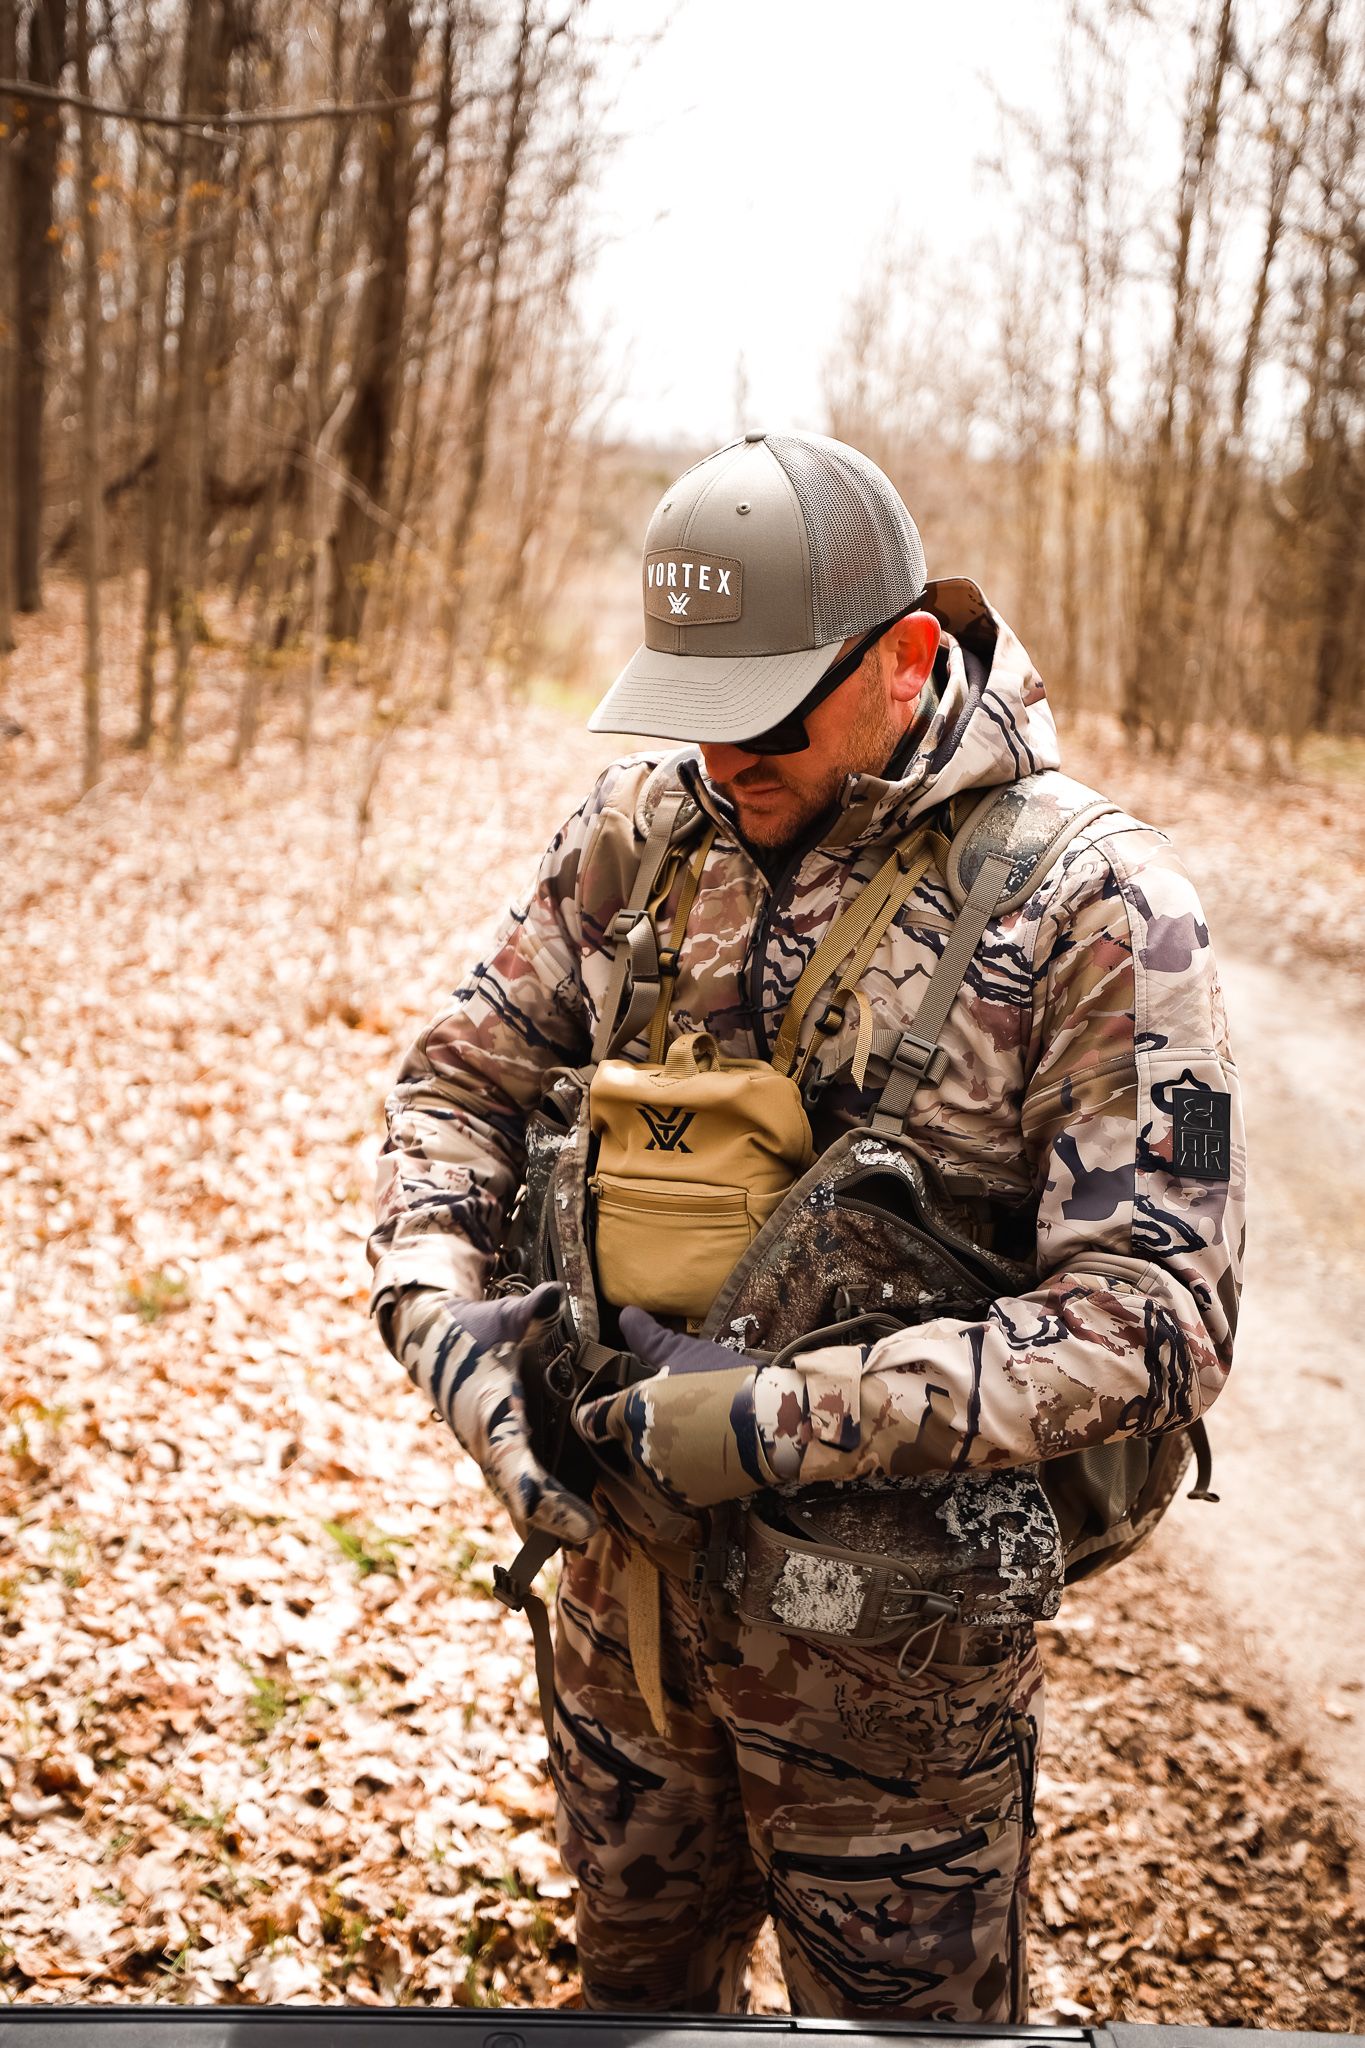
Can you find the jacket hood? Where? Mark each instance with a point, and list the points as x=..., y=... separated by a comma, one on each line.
x=991, y=725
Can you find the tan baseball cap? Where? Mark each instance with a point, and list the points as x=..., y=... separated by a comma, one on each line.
x=759, y=563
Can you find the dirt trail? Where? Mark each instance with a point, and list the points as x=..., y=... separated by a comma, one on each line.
x=1285, y=1549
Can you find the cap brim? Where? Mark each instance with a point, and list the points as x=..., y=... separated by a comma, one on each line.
x=709, y=696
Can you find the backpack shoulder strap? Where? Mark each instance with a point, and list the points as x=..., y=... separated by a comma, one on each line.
x=999, y=854
x=1026, y=824
x=849, y=943
x=635, y=956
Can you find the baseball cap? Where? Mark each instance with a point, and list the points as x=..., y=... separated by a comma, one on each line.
x=759, y=562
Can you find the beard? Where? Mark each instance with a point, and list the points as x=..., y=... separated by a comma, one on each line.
x=779, y=798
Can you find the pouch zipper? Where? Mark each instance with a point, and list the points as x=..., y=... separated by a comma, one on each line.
x=670, y=1200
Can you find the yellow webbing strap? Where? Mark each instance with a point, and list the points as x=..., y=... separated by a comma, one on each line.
x=920, y=860
x=862, y=1044
x=853, y=937
x=643, y=1594
x=658, y=1029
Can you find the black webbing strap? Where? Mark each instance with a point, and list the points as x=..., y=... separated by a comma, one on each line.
x=1203, y=1462
x=512, y=1585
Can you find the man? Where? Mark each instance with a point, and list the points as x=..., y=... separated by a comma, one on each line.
x=877, y=1803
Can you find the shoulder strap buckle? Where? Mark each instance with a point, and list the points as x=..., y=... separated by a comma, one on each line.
x=922, y=1057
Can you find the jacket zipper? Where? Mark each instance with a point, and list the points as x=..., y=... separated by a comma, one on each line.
x=758, y=946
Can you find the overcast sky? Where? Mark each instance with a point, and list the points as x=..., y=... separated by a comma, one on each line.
x=766, y=146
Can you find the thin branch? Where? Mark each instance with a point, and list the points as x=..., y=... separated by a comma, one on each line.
x=219, y=127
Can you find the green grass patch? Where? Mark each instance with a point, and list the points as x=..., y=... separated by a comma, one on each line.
x=368, y=1549
x=270, y=1702
x=157, y=1294
x=190, y=1817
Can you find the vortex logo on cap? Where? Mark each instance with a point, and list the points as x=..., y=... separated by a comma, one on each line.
x=693, y=589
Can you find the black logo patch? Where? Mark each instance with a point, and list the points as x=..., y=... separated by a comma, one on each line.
x=1201, y=1148
x=666, y=1128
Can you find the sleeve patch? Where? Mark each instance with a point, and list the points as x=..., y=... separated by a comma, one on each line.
x=1202, y=1143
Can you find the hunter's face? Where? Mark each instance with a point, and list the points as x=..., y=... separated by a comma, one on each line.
x=855, y=731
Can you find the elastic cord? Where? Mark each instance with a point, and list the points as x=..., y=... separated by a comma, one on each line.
x=927, y=1659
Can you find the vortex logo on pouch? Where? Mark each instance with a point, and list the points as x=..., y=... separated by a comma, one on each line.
x=666, y=1128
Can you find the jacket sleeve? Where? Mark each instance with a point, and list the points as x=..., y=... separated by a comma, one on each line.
x=455, y=1150
x=1131, y=1114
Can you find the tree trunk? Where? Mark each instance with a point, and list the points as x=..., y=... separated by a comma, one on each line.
x=479, y=408
x=365, y=448
x=92, y=507
x=205, y=77
x=154, y=536
x=1336, y=667
x=1229, y=477
x=321, y=494
x=156, y=507
x=40, y=134
x=1157, y=653
x=435, y=206
x=8, y=312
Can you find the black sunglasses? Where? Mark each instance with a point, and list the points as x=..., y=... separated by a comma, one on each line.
x=789, y=735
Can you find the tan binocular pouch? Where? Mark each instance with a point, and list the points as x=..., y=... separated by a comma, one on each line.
x=694, y=1154
x=695, y=1150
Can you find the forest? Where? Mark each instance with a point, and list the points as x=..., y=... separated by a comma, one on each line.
x=288, y=319
x=319, y=535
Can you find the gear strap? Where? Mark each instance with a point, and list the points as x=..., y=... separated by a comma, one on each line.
x=636, y=945
x=1004, y=865
x=668, y=958
x=512, y=1585
x=918, y=1057
x=852, y=939
x=644, y=1592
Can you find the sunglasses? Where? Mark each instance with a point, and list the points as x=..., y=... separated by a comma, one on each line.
x=789, y=735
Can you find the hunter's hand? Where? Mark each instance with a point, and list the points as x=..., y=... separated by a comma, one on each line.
x=465, y=1356
x=710, y=1425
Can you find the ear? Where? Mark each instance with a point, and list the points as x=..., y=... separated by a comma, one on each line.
x=913, y=641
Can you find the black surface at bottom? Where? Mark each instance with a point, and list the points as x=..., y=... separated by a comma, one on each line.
x=108, y=2026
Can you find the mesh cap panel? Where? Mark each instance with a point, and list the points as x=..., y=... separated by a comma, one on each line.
x=867, y=559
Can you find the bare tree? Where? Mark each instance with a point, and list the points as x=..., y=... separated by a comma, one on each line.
x=519, y=101
x=208, y=47
x=43, y=57
x=292, y=348
x=8, y=323
x=91, y=464
x=377, y=346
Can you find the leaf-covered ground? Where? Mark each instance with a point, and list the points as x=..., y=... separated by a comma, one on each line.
x=264, y=1735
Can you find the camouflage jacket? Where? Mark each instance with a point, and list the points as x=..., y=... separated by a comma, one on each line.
x=1086, y=1012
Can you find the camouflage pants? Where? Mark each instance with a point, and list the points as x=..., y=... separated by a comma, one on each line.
x=882, y=1819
